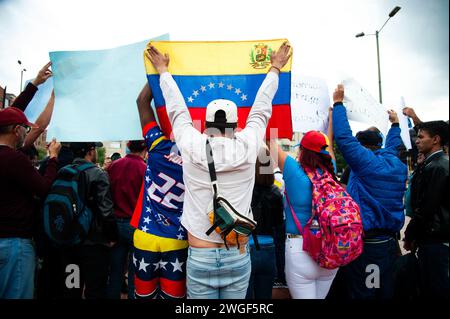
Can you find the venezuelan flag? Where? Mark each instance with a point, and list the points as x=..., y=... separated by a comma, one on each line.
x=233, y=70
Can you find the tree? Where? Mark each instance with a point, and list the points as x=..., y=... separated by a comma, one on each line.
x=101, y=155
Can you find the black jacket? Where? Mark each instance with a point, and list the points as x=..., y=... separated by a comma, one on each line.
x=104, y=227
x=267, y=208
x=430, y=201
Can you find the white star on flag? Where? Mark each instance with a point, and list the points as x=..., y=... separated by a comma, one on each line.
x=221, y=85
x=147, y=209
x=144, y=229
x=177, y=265
x=244, y=97
x=195, y=93
x=203, y=88
x=211, y=85
x=156, y=265
x=147, y=179
x=229, y=87
x=147, y=220
x=162, y=264
x=190, y=99
x=180, y=237
x=238, y=91
x=143, y=265
x=134, y=260
x=181, y=228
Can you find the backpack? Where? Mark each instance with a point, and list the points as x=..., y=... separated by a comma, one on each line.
x=225, y=219
x=333, y=236
x=66, y=216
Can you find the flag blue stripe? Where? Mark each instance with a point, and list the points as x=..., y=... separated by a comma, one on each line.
x=198, y=91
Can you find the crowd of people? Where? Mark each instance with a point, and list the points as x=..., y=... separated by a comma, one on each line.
x=157, y=221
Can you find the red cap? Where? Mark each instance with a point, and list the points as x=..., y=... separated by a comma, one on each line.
x=13, y=115
x=315, y=141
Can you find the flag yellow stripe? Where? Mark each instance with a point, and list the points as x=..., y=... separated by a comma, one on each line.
x=150, y=242
x=216, y=58
x=156, y=142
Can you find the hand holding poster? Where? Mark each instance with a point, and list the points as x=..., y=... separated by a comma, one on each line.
x=232, y=70
x=310, y=101
x=362, y=107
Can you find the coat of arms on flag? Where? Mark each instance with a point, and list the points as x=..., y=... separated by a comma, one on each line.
x=232, y=70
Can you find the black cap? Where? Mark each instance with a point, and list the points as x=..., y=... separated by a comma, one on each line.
x=369, y=138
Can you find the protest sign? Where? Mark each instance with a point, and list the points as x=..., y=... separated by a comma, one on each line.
x=404, y=124
x=362, y=107
x=95, y=93
x=310, y=101
x=40, y=99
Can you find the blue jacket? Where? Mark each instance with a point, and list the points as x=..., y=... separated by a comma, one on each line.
x=378, y=178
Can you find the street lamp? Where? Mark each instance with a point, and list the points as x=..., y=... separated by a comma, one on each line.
x=361, y=34
x=21, y=73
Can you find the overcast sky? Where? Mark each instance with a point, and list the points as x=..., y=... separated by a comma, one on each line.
x=414, y=46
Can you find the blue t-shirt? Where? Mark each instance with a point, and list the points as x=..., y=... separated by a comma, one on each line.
x=299, y=190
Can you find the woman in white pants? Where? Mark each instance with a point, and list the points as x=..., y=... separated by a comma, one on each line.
x=304, y=277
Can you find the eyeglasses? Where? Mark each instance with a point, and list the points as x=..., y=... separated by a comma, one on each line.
x=26, y=127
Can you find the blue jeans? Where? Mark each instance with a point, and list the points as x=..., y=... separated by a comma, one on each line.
x=120, y=256
x=433, y=270
x=17, y=268
x=263, y=272
x=217, y=273
x=379, y=256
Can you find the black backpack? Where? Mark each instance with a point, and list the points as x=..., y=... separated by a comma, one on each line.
x=66, y=216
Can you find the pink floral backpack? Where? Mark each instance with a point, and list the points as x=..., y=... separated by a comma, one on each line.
x=333, y=235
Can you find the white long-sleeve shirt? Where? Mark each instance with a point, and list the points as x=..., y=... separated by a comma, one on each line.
x=234, y=158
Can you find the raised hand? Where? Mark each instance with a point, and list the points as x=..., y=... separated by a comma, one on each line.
x=54, y=148
x=281, y=57
x=393, y=117
x=338, y=95
x=43, y=74
x=409, y=111
x=159, y=61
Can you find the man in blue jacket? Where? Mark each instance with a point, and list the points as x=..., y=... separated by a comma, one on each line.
x=377, y=183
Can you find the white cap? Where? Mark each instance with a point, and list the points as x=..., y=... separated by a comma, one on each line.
x=229, y=107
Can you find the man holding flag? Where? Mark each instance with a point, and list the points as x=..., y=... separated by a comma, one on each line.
x=214, y=272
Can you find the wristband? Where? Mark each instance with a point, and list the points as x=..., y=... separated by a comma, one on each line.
x=279, y=71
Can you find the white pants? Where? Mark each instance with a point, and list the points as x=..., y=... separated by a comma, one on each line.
x=304, y=277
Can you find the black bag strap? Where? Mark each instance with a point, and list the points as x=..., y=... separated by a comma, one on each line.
x=211, y=168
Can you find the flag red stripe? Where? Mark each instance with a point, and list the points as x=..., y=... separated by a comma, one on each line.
x=281, y=119
x=138, y=209
x=145, y=288
x=173, y=288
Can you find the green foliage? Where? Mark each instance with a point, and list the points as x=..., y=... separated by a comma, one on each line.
x=101, y=155
x=42, y=153
x=340, y=161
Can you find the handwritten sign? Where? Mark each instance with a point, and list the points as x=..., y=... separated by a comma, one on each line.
x=362, y=107
x=310, y=101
